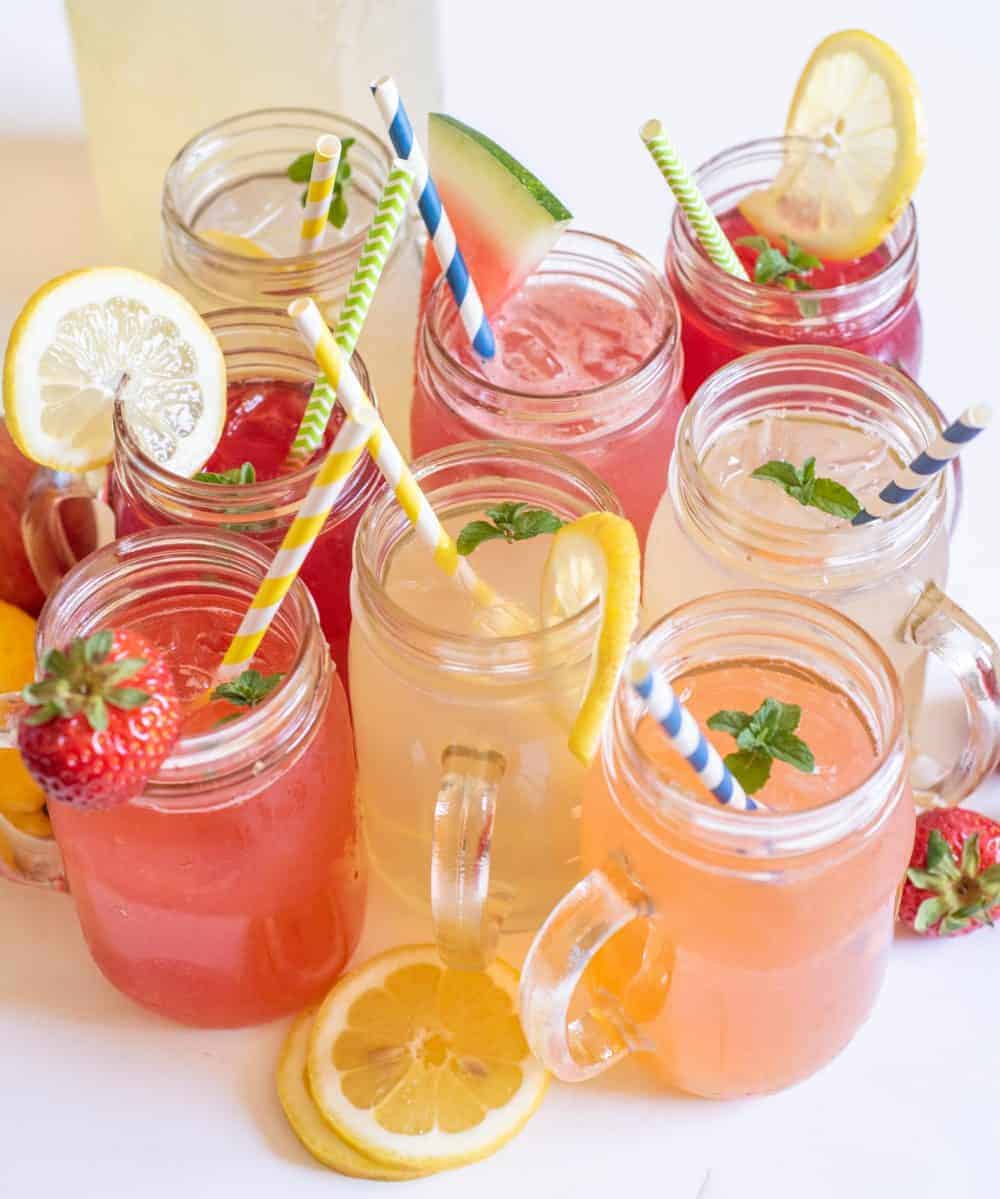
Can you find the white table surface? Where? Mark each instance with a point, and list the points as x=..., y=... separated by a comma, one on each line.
x=99, y=1098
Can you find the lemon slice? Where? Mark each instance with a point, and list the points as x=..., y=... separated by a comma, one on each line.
x=304, y=1116
x=422, y=1067
x=235, y=243
x=840, y=199
x=76, y=340
x=595, y=558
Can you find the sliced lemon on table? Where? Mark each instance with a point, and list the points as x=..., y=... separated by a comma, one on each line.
x=307, y=1122
x=595, y=558
x=421, y=1067
x=89, y=335
x=842, y=197
x=21, y=798
x=235, y=243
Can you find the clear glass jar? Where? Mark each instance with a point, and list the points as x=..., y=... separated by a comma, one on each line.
x=259, y=345
x=889, y=575
x=622, y=429
x=463, y=739
x=737, y=951
x=233, y=890
x=723, y=317
x=232, y=177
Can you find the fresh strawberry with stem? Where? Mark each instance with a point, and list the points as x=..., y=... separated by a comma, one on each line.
x=952, y=886
x=101, y=720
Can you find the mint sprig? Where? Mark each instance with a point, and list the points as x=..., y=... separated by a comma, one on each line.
x=246, y=691
x=238, y=474
x=300, y=171
x=761, y=737
x=512, y=522
x=825, y=494
x=787, y=269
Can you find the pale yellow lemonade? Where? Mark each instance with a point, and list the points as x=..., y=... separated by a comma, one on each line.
x=771, y=540
x=514, y=696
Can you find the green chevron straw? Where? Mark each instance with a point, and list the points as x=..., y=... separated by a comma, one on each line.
x=686, y=192
x=388, y=214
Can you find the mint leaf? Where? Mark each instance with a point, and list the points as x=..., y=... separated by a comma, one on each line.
x=771, y=264
x=786, y=747
x=800, y=259
x=249, y=689
x=238, y=474
x=786, y=269
x=811, y=492
x=474, y=534
x=782, y=473
x=729, y=721
x=752, y=769
x=300, y=171
x=755, y=243
x=509, y=520
x=830, y=496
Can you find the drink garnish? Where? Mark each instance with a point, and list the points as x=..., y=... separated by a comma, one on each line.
x=762, y=736
x=238, y=474
x=301, y=169
x=811, y=492
x=512, y=522
x=787, y=269
x=247, y=690
x=952, y=885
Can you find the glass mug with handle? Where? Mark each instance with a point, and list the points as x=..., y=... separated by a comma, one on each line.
x=468, y=788
x=189, y=902
x=719, y=528
x=739, y=951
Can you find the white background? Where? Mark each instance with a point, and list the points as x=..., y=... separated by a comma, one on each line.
x=99, y=1098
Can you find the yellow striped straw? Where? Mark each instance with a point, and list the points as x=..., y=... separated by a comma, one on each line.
x=347, y=448
x=319, y=196
x=389, y=460
x=693, y=203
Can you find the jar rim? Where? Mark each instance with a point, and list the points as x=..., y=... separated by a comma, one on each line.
x=763, y=834
x=571, y=245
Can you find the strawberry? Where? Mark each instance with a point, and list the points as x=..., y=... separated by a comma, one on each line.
x=953, y=883
x=87, y=739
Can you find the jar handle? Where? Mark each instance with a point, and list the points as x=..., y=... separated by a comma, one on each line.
x=578, y=1047
x=24, y=858
x=939, y=625
x=466, y=925
x=51, y=551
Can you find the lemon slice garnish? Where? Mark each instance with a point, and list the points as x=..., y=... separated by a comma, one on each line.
x=305, y=1118
x=88, y=335
x=842, y=197
x=422, y=1067
x=595, y=558
x=235, y=243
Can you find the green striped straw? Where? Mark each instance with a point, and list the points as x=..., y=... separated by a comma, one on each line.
x=388, y=215
x=687, y=195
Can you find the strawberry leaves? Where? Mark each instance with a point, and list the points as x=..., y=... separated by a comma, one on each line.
x=761, y=737
x=80, y=679
x=512, y=522
x=961, y=894
x=825, y=494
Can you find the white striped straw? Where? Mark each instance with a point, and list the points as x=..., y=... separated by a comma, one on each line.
x=942, y=450
x=347, y=448
x=439, y=228
x=319, y=195
x=386, y=454
x=687, y=738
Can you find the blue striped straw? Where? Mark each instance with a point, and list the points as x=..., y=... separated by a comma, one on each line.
x=442, y=235
x=942, y=450
x=687, y=738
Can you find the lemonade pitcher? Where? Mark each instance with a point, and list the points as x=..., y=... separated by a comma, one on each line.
x=468, y=787
x=720, y=526
x=232, y=891
x=737, y=951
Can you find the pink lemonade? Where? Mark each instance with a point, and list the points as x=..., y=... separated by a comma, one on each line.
x=263, y=415
x=587, y=363
x=867, y=304
x=233, y=891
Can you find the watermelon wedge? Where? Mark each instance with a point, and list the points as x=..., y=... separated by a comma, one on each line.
x=506, y=220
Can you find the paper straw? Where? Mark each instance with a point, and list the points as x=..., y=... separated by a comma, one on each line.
x=687, y=738
x=687, y=195
x=385, y=452
x=319, y=195
x=942, y=450
x=439, y=228
x=375, y=253
x=347, y=448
